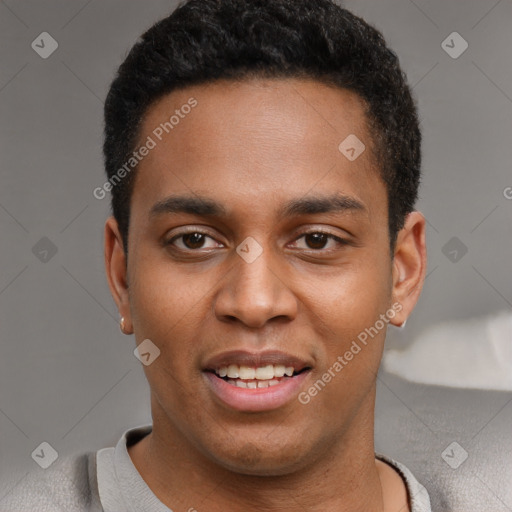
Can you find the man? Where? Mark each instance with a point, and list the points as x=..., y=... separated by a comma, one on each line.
x=264, y=161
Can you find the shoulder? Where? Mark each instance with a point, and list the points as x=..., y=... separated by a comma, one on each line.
x=69, y=485
x=417, y=496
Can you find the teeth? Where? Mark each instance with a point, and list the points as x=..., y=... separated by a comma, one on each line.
x=267, y=383
x=263, y=373
x=246, y=373
x=253, y=384
x=232, y=372
x=279, y=370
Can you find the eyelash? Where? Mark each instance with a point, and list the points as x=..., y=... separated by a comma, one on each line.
x=330, y=236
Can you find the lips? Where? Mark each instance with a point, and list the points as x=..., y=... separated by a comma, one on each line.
x=262, y=381
x=255, y=360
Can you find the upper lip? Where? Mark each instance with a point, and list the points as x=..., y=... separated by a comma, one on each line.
x=255, y=360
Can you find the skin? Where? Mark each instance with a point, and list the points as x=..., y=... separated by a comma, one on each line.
x=253, y=146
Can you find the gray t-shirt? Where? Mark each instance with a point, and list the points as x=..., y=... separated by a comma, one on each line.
x=107, y=481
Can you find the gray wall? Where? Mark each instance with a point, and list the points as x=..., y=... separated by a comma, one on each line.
x=67, y=374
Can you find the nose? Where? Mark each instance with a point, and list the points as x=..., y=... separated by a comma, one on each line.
x=255, y=293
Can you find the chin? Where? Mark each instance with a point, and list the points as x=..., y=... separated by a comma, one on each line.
x=261, y=460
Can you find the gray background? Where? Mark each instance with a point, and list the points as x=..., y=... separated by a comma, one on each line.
x=67, y=374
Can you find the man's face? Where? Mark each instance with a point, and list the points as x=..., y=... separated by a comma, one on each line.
x=202, y=293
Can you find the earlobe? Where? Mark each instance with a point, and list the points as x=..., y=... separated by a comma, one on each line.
x=122, y=326
x=409, y=265
x=116, y=270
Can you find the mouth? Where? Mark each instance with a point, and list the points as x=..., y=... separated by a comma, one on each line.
x=256, y=378
x=255, y=382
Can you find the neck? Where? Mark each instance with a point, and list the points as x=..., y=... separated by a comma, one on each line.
x=344, y=477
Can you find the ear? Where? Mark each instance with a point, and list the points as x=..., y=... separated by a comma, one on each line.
x=409, y=265
x=115, y=265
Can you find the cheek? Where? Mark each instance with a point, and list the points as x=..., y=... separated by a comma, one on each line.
x=355, y=297
x=349, y=323
x=348, y=319
x=166, y=307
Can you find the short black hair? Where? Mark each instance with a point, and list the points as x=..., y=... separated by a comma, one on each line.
x=207, y=40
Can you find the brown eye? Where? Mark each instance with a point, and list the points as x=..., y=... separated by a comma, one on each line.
x=316, y=240
x=319, y=241
x=193, y=240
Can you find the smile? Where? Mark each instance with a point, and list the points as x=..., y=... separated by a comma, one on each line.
x=255, y=378
x=248, y=382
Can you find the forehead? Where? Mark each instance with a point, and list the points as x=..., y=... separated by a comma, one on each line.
x=254, y=140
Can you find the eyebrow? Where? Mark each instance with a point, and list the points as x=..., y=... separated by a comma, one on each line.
x=205, y=207
x=337, y=203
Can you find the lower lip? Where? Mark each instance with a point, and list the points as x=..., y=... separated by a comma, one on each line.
x=259, y=399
